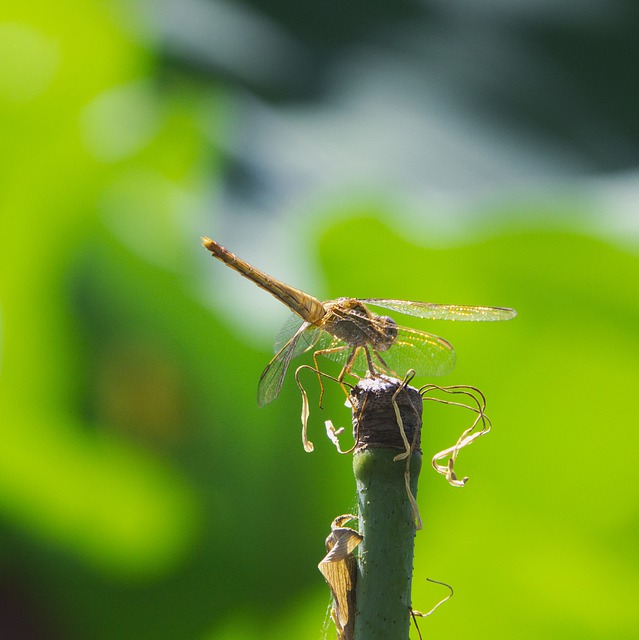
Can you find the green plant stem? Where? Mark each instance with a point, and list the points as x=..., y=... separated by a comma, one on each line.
x=386, y=518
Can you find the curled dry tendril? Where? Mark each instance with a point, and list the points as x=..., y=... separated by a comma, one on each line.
x=331, y=431
x=418, y=614
x=444, y=461
x=477, y=405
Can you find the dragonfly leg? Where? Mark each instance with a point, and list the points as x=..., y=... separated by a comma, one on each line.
x=371, y=368
x=387, y=369
x=348, y=364
x=324, y=352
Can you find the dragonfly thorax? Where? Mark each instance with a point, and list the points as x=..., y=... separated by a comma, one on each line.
x=351, y=321
x=386, y=333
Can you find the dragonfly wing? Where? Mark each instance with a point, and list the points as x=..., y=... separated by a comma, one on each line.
x=427, y=354
x=293, y=325
x=290, y=327
x=338, y=350
x=272, y=377
x=443, y=311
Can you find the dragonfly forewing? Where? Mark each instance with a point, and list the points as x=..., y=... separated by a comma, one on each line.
x=443, y=311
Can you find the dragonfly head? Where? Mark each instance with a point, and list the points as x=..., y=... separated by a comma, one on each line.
x=387, y=333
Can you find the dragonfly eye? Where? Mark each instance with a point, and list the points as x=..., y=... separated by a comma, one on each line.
x=388, y=333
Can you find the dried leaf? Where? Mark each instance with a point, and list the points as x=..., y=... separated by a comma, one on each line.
x=339, y=568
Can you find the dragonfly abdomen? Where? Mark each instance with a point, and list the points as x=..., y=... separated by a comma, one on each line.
x=304, y=305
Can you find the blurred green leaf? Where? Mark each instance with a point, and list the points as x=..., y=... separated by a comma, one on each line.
x=544, y=506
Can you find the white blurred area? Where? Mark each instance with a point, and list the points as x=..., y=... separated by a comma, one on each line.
x=402, y=117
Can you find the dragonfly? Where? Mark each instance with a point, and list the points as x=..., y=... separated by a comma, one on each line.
x=348, y=332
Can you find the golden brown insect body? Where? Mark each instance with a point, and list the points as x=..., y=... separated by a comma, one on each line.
x=306, y=306
x=346, y=331
x=351, y=321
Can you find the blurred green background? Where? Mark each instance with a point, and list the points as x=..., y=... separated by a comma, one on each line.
x=476, y=153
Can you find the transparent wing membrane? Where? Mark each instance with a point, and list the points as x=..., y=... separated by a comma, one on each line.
x=427, y=354
x=336, y=350
x=272, y=377
x=291, y=326
x=443, y=311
